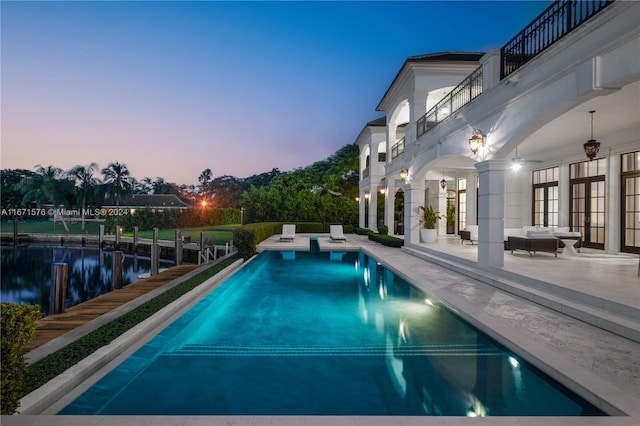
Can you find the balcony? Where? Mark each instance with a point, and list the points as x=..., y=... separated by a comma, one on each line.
x=556, y=21
x=465, y=92
x=397, y=148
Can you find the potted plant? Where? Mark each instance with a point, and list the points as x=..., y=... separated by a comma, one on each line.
x=451, y=219
x=428, y=220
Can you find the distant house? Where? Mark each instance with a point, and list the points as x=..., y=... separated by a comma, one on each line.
x=153, y=202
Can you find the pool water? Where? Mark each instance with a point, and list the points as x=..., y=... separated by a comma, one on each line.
x=315, y=334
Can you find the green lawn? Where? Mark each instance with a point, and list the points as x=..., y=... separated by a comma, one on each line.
x=219, y=235
x=50, y=227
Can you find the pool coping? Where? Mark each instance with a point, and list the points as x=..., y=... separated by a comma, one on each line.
x=624, y=410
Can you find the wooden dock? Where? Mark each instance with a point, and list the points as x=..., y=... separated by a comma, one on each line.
x=54, y=326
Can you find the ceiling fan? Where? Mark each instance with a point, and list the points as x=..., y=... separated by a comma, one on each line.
x=517, y=163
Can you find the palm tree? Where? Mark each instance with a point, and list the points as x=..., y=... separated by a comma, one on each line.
x=116, y=177
x=83, y=176
x=48, y=184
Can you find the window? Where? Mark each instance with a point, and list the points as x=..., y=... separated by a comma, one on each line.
x=545, y=197
x=462, y=203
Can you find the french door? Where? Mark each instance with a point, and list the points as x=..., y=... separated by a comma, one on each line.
x=588, y=201
x=630, y=200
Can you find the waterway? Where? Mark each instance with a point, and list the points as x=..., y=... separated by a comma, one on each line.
x=26, y=273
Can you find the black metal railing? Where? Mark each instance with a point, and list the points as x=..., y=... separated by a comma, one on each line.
x=463, y=93
x=397, y=148
x=556, y=21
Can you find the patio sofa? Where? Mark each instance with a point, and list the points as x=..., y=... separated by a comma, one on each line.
x=470, y=233
x=534, y=243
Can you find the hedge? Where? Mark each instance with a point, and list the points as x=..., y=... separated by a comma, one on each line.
x=387, y=240
x=18, y=329
x=247, y=237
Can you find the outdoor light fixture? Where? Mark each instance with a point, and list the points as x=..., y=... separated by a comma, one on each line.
x=357, y=199
x=477, y=141
x=515, y=162
x=383, y=191
x=443, y=182
x=592, y=146
x=404, y=174
x=366, y=196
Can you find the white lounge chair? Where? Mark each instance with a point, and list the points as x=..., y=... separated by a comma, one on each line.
x=288, y=233
x=336, y=234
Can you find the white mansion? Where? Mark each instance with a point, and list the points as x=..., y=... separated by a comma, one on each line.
x=456, y=122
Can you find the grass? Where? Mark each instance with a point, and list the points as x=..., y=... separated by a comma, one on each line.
x=219, y=235
x=50, y=227
x=55, y=364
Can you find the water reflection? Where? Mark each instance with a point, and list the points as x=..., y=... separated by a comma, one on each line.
x=26, y=273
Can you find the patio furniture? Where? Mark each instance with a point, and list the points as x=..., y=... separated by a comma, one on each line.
x=534, y=244
x=470, y=233
x=288, y=233
x=336, y=234
x=569, y=249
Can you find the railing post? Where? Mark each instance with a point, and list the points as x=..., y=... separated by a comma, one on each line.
x=59, y=280
x=178, y=247
x=155, y=259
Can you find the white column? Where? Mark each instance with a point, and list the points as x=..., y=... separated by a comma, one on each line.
x=490, y=69
x=361, y=212
x=491, y=213
x=417, y=108
x=373, y=209
x=389, y=208
x=442, y=210
x=564, y=186
x=413, y=198
x=612, y=237
x=472, y=199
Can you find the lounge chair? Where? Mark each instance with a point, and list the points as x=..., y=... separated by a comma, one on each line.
x=336, y=234
x=288, y=233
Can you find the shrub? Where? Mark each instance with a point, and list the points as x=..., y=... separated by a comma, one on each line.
x=362, y=231
x=383, y=230
x=386, y=240
x=247, y=237
x=18, y=328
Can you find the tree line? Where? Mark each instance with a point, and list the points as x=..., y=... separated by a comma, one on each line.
x=322, y=192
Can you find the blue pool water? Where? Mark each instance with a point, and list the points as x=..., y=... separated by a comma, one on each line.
x=315, y=334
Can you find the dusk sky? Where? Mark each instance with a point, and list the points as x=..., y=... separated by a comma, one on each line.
x=173, y=88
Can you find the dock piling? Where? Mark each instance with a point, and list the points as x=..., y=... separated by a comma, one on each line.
x=59, y=279
x=116, y=270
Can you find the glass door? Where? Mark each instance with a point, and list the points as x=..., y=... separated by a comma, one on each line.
x=588, y=198
x=630, y=202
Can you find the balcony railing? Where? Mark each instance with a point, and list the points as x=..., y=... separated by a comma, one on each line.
x=397, y=148
x=556, y=21
x=464, y=93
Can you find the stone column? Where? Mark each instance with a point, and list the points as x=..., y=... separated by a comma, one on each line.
x=491, y=213
x=472, y=200
x=373, y=209
x=389, y=208
x=413, y=198
x=361, y=210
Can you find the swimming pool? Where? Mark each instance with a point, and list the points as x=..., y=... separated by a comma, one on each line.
x=324, y=334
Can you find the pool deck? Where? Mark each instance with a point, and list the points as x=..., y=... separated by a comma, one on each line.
x=600, y=365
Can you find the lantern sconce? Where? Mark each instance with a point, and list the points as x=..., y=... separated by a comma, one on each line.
x=404, y=174
x=443, y=182
x=592, y=146
x=477, y=141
